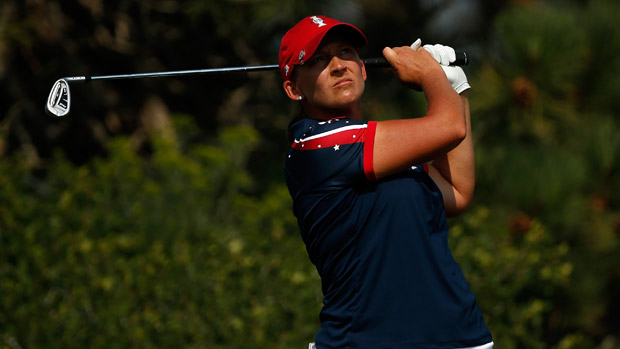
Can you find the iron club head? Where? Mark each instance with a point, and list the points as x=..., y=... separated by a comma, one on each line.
x=59, y=100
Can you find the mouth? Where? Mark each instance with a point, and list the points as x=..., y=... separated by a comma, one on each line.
x=343, y=82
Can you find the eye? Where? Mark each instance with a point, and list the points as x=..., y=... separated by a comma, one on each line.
x=347, y=52
x=318, y=59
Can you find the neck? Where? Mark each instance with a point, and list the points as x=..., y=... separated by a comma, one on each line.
x=353, y=112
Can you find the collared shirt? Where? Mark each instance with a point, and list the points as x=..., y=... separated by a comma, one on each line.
x=380, y=246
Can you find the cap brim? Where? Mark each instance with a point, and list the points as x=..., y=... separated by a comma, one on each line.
x=349, y=32
x=300, y=43
x=356, y=37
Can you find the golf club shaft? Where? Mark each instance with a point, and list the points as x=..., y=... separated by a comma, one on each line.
x=174, y=73
x=461, y=59
x=59, y=100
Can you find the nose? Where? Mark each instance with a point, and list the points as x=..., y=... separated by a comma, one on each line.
x=337, y=65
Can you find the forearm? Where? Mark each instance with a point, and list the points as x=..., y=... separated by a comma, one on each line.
x=400, y=143
x=454, y=172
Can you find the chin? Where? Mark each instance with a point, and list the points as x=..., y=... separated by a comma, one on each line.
x=348, y=98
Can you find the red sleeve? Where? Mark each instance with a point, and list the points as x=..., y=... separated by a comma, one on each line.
x=369, y=144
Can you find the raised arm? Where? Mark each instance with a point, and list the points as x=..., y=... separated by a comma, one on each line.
x=402, y=143
x=454, y=172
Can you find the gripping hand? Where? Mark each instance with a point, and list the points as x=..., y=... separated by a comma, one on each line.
x=445, y=55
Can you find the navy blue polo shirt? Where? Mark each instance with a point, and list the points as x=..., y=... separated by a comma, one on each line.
x=380, y=246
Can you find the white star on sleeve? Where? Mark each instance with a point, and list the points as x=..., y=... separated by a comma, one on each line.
x=336, y=147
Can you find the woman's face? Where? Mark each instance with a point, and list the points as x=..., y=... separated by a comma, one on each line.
x=332, y=81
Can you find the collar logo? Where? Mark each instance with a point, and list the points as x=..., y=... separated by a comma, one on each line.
x=319, y=21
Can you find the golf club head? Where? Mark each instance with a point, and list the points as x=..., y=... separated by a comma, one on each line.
x=59, y=100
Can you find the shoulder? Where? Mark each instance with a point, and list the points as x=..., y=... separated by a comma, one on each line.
x=312, y=126
x=338, y=130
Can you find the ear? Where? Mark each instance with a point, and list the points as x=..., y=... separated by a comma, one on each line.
x=363, y=69
x=291, y=90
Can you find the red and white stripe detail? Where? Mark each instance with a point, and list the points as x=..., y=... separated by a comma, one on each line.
x=364, y=133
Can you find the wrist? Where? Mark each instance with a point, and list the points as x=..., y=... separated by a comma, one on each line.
x=434, y=81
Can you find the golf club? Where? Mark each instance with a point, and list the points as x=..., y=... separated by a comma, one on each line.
x=59, y=100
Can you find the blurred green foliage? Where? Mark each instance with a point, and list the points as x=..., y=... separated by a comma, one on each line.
x=161, y=252
x=548, y=159
x=178, y=232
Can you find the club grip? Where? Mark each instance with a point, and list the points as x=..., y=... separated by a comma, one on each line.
x=461, y=59
x=380, y=62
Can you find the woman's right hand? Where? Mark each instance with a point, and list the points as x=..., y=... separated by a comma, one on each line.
x=413, y=67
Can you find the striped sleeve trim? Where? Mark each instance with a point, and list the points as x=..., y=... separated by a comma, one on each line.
x=369, y=144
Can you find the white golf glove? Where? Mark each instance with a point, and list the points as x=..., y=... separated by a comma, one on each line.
x=445, y=55
x=442, y=54
x=457, y=78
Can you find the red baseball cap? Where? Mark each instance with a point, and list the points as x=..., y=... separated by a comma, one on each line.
x=301, y=41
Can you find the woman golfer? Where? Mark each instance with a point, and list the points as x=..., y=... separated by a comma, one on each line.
x=370, y=205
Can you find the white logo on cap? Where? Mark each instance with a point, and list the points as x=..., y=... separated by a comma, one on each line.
x=286, y=69
x=317, y=20
x=301, y=56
